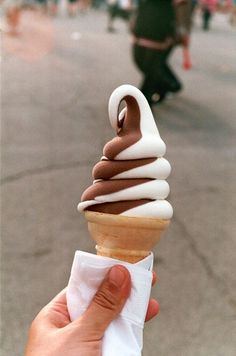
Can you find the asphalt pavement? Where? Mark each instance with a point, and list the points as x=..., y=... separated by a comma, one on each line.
x=56, y=81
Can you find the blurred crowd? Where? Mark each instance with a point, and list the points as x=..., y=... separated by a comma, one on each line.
x=157, y=27
x=123, y=9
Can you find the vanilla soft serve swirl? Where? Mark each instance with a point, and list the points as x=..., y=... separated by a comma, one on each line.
x=130, y=178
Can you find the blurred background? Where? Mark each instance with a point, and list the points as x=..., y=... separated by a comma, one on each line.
x=60, y=61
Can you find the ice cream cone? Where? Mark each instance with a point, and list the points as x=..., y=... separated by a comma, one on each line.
x=125, y=238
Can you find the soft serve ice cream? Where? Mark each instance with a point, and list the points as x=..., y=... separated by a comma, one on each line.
x=130, y=178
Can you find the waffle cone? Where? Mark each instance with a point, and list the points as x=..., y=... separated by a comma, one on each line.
x=125, y=238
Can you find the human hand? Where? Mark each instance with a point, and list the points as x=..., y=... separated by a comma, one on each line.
x=53, y=334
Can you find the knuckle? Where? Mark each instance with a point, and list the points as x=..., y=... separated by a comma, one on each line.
x=106, y=299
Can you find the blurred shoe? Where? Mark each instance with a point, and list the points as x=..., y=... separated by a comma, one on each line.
x=157, y=98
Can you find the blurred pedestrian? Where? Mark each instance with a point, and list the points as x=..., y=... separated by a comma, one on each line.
x=233, y=13
x=84, y=5
x=12, y=14
x=157, y=29
x=118, y=9
x=72, y=7
x=53, y=7
x=208, y=8
x=224, y=5
x=42, y=6
x=37, y=36
x=97, y=3
x=194, y=4
x=183, y=12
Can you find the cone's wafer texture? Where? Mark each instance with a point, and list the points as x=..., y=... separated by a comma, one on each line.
x=125, y=238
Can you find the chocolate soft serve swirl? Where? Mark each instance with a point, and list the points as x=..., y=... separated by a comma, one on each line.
x=130, y=178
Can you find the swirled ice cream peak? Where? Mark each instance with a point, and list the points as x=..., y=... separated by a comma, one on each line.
x=130, y=177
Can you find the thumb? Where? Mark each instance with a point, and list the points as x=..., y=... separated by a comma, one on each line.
x=107, y=303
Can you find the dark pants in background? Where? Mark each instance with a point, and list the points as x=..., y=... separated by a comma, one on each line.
x=158, y=76
x=206, y=18
x=117, y=11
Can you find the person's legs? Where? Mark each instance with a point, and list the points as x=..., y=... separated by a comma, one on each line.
x=53, y=7
x=72, y=8
x=233, y=15
x=172, y=83
x=42, y=6
x=146, y=61
x=162, y=77
x=124, y=14
x=158, y=78
x=13, y=19
x=192, y=11
x=112, y=13
x=84, y=5
x=169, y=82
x=206, y=19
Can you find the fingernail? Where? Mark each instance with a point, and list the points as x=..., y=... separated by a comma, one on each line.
x=117, y=275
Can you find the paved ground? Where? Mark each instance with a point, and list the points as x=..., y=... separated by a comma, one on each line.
x=55, y=87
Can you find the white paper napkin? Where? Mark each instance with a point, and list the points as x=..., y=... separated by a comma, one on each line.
x=124, y=336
